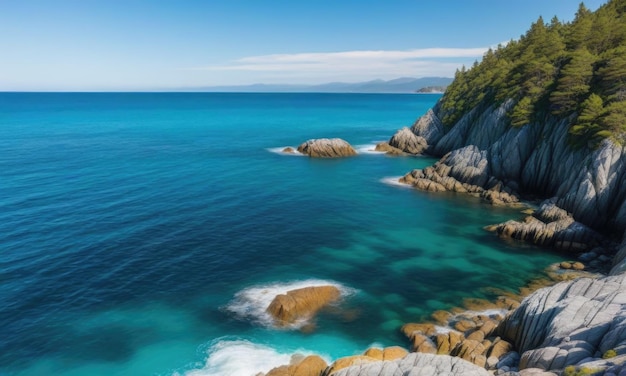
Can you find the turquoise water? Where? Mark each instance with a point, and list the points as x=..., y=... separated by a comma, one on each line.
x=142, y=234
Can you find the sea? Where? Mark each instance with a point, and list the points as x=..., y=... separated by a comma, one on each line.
x=146, y=233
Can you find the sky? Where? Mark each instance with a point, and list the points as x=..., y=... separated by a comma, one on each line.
x=88, y=45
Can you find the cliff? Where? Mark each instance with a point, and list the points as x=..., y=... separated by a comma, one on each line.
x=536, y=159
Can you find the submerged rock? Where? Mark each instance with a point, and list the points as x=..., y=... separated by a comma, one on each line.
x=301, y=304
x=327, y=148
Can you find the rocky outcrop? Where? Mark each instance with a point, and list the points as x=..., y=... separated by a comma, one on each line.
x=408, y=142
x=327, y=148
x=311, y=365
x=463, y=171
x=301, y=304
x=553, y=227
x=536, y=158
x=415, y=364
x=581, y=323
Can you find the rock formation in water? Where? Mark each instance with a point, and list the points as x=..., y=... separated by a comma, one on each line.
x=301, y=304
x=553, y=227
x=327, y=148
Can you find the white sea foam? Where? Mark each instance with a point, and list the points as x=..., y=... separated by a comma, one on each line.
x=367, y=149
x=280, y=151
x=241, y=358
x=252, y=302
x=442, y=329
x=394, y=180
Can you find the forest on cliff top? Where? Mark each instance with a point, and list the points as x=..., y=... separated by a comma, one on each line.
x=574, y=70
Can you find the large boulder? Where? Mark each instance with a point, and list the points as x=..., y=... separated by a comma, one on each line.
x=408, y=142
x=327, y=148
x=301, y=304
x=414, y=364
x=571, y=324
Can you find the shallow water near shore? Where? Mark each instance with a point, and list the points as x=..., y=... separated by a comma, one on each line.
x=141, y=233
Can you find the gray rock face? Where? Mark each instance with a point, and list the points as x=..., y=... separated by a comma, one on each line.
x=619, y=261
x=416, y=364
x=429, y=127
x=571, y=324
x=535, y=158
x=408, y=142
x=327, y=148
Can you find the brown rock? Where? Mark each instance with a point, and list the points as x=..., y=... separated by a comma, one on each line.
x=394, y=352
x=301, y=303
x=348, y=361
x=488, y=327
x=289, y=150
x=464, y=325
x=327, y=148
x=476, y=335
x=423, y=344
x=578, y=266
x=411, y=328
x=428, y=185
x=475, y=304
x=312, y=365
x=455, y=339
x=565, y=265
x=469, y=350
x=443, y=344
x=499, y=348
x=385, y=147
x=441, y=317
x=374, y=352
x=480, y=360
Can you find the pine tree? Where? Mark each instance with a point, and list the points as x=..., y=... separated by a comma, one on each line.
x=577, y=35
x=587, y=124
x=574, y=82
x=612, y=74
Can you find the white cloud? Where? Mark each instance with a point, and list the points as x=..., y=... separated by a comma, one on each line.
x=356, y=65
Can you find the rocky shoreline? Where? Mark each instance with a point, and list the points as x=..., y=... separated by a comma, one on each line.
x=572, y=323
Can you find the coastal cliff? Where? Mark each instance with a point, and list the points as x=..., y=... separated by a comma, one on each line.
x=543, y=118
x=534, y=160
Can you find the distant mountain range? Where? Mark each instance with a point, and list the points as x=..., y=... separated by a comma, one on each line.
x=399, y=85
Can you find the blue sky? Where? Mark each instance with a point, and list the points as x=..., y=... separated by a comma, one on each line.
x=163, y=44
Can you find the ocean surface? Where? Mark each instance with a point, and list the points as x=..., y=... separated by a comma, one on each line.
x=145, y=233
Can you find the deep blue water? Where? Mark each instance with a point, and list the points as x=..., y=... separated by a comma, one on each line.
x=141, y=233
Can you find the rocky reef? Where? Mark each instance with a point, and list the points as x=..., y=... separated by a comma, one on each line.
x=327, y=148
